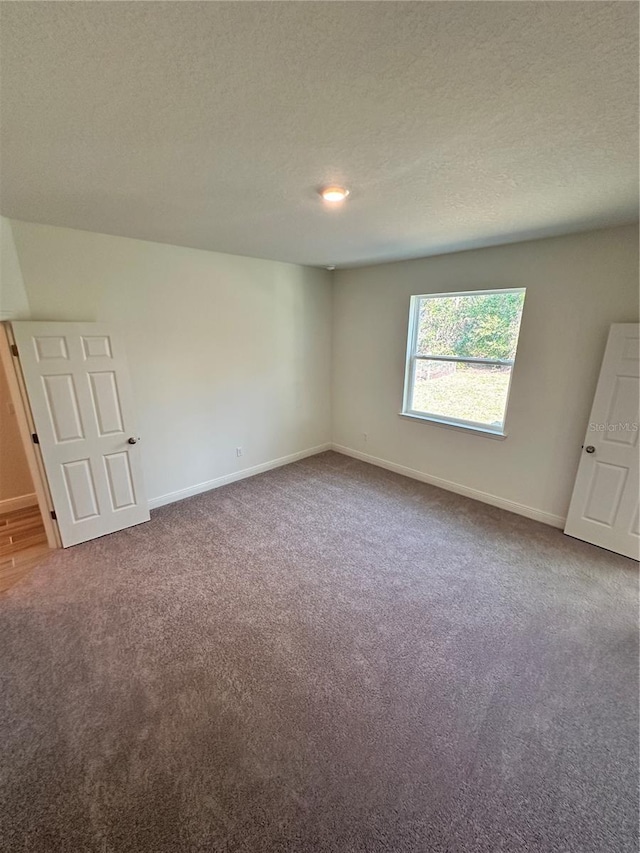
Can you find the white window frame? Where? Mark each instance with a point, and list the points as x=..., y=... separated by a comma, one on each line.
x=413, y=356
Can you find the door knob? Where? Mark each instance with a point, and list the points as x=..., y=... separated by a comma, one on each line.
x=589, y=448
x=132, y=440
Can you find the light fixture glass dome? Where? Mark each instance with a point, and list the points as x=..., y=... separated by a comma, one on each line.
x=334, y=194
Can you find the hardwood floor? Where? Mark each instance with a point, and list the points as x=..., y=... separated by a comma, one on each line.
x=23, y=544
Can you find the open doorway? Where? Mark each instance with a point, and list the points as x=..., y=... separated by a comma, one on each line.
x=27, y=533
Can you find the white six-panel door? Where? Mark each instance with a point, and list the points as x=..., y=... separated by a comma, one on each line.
x=604, y=505
x=77, y=381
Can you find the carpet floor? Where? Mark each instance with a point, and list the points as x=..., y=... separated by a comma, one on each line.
x=326, y=657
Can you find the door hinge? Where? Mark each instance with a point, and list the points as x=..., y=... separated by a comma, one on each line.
x=34, y=438
x=14, y=350
x=53, y=515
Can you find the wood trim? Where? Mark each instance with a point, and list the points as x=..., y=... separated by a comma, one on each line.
x=20, y=502
x=19, y=398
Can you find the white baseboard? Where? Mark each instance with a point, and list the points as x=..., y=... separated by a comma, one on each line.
x=179, y=495
x=458, y=488
x=21, y=502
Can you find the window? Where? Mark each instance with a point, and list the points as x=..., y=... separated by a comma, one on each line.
x=460, y=354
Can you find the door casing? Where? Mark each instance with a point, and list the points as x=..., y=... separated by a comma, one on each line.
x=26, y=428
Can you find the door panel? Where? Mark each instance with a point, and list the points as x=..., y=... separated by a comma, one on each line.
x=50, y=347
x=81, y=489
x=604, y=506
x=623, y=409
x=62, y=403
x=96, y=346
x=605, y=491
x=78, y=384
x=120, y=481
x=106, y=402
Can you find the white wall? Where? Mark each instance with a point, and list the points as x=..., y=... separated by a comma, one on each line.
x=576, y=287
x=228, y=351
x=224, y=351
x=14, y=304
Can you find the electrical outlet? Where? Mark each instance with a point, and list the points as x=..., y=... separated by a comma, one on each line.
x=238, y=451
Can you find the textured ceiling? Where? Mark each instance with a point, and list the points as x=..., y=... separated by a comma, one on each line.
x=212, y=124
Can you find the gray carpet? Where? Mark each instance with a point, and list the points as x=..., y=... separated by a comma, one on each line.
x=327, y=657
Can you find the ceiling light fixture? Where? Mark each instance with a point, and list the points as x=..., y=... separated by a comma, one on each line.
x=334, y=194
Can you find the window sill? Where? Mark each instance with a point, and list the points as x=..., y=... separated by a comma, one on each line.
x=487, y=433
